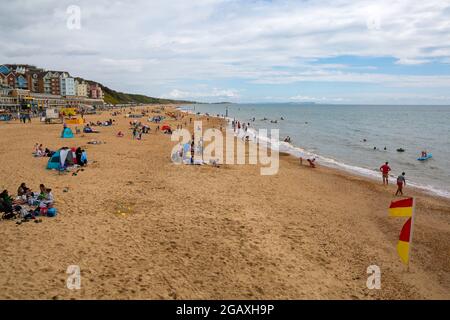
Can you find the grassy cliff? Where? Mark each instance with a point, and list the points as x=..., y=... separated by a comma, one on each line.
x=114, y=97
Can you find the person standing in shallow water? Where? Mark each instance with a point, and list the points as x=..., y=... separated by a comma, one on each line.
x=401, y=182
x=385, y=171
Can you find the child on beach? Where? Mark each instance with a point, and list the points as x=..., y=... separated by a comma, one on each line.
x=401, y=182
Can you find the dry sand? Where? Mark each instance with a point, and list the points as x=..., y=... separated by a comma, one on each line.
x=198, y=232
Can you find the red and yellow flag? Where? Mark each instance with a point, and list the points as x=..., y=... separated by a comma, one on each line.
x=404, y=242
x=401, y=208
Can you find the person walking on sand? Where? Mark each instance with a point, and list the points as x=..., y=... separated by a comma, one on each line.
x=385, y=171
x=401, y=182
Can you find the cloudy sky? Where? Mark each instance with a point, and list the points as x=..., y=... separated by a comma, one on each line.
x=340, y=51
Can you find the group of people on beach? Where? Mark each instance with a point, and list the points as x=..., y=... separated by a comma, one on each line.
x=38, y=203
x=237, y=125
x=39, y=151
x=401, y=180
x=106, y=123
x=138, y=129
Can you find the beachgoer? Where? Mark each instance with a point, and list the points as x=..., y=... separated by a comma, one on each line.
x=40, y=151
x=23, y=190
x=401, y=182
x=312, y=163
x=6, y=202
x=78, y=156
x=84, y=159
x=46, y=197
x=48, y=152
x=385, y=171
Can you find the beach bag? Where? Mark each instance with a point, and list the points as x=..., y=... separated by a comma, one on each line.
x=43, y=211
x=51, y=212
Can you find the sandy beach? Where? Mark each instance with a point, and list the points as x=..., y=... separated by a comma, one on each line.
x=141, y=227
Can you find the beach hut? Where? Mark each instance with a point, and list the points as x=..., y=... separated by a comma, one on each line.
x=67, y=133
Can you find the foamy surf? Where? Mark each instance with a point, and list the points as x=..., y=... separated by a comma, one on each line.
x=298, y=152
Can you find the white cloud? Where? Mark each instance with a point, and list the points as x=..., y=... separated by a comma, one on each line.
x=303, y=98
x=407, y=61
x=205, y=95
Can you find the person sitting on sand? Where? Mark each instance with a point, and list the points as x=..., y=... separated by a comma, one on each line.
x=120, y=134
x=49, y=153
x=23, y=190
x=401, y=182
x=88, y=129
x=46, y=197
x=7, y=206
x=6, y=202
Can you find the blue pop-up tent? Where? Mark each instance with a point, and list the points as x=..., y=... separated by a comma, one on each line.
x=67, y=133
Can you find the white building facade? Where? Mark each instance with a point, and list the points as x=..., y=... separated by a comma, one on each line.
x=67, y=85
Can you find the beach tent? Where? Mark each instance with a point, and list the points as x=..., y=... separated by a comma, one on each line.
x=67, y=133
x=166, y=127
x=61, y=159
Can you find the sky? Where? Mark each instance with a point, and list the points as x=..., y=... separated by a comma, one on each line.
x=340, y=51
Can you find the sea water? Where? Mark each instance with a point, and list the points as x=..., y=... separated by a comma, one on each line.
x=354, y=137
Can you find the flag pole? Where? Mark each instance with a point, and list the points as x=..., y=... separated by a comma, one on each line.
x=412, y=230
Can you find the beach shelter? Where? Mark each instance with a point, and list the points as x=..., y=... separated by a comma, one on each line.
x=166, y=127
x=61, y=159
x=67, y=133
